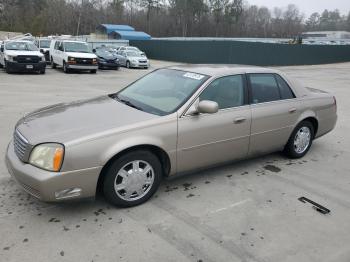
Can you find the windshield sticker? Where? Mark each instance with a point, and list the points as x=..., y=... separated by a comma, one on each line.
x=193, y=76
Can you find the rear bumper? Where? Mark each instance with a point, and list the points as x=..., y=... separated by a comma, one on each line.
x=46, y=185
x=26, y=67
x=83, y=67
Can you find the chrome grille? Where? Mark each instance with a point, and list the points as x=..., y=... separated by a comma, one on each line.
x=20, y=144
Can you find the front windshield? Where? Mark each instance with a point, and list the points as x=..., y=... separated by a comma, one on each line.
x=22, y=46
x=162, y=91
x=45, y=43
x=76, y=47
x=132, y=54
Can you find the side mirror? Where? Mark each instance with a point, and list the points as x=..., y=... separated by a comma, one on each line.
x=207, y=107
x=42, y=51
x=2, y=49
x=94, y=50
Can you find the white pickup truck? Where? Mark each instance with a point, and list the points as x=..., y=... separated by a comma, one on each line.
x=72, y=55
x=21, y=55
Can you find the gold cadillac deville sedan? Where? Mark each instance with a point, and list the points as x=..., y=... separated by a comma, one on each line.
x=173, y=120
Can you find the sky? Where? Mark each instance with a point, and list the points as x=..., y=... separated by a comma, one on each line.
x=307, y=6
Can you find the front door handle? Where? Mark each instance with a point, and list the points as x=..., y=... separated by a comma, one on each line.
x=292, y=110
x=239, y=120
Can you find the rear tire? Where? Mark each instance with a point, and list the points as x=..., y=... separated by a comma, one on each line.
x=42, y=72
x=132, y=178
x=93, y=71
x=53, y=65
x=127, y=64
x=300, y=140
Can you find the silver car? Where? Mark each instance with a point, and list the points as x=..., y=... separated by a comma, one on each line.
x=133, y=59
x=173, y=120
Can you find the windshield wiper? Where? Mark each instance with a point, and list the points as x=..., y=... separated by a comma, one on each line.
x=127, y=102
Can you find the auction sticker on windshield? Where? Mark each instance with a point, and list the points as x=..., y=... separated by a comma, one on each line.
x=194, y=76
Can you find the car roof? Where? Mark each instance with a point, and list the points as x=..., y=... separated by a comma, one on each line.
x=220, y=69
x=18, y=40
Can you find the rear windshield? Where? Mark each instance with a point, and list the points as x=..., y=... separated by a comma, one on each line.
x=45, y=43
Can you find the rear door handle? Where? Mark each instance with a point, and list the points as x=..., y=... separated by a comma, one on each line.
x=292, y=110
x=239, y=120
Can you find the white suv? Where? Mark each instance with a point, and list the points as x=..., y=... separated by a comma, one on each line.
x=21, y=55
x=72, y=55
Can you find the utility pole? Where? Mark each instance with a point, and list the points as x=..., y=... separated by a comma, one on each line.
x=81, y=10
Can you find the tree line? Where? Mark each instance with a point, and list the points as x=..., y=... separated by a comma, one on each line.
x=162, y=18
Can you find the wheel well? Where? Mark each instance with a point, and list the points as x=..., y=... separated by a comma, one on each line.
x=314, y=123
x=160, y=153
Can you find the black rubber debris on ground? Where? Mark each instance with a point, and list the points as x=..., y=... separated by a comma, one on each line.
x=272, y=168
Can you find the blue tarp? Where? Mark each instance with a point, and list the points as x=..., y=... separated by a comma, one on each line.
x=130, y=35
x=110, y=28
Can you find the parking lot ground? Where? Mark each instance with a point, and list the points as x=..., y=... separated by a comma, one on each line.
x=246, y=211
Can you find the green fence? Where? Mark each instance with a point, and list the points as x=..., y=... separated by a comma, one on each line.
x=238, y=52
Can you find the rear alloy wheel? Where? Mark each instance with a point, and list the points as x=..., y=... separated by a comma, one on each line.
x=300, y=141
x=132, y=179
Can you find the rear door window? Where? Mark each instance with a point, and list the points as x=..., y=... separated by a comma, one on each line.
x=286, y=92
x=264, y=88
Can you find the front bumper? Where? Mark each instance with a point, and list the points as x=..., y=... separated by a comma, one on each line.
x=109, y=65
x=46, y=185
x=139, y=65
x=26, y=67
x=83, y=67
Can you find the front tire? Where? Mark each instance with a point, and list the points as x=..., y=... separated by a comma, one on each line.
x=93, y=71
x=300, y=140
x=132, y=178
x=65, y=68
x=127, y=64
x=7, y=69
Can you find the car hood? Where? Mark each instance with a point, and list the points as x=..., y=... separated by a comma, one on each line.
x=18, y=52
x=68, y=122
x=108, y=57
x=81, y=55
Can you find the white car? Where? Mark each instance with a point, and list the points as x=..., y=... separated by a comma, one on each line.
x=72, y=55
x=21, y=55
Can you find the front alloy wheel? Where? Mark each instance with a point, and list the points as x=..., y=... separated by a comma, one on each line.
x=132, y=179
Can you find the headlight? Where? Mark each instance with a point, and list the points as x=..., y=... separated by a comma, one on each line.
x=47, y=156
x=9, y=58
x=71, y=59
x=94, y=61
x=134, y=60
